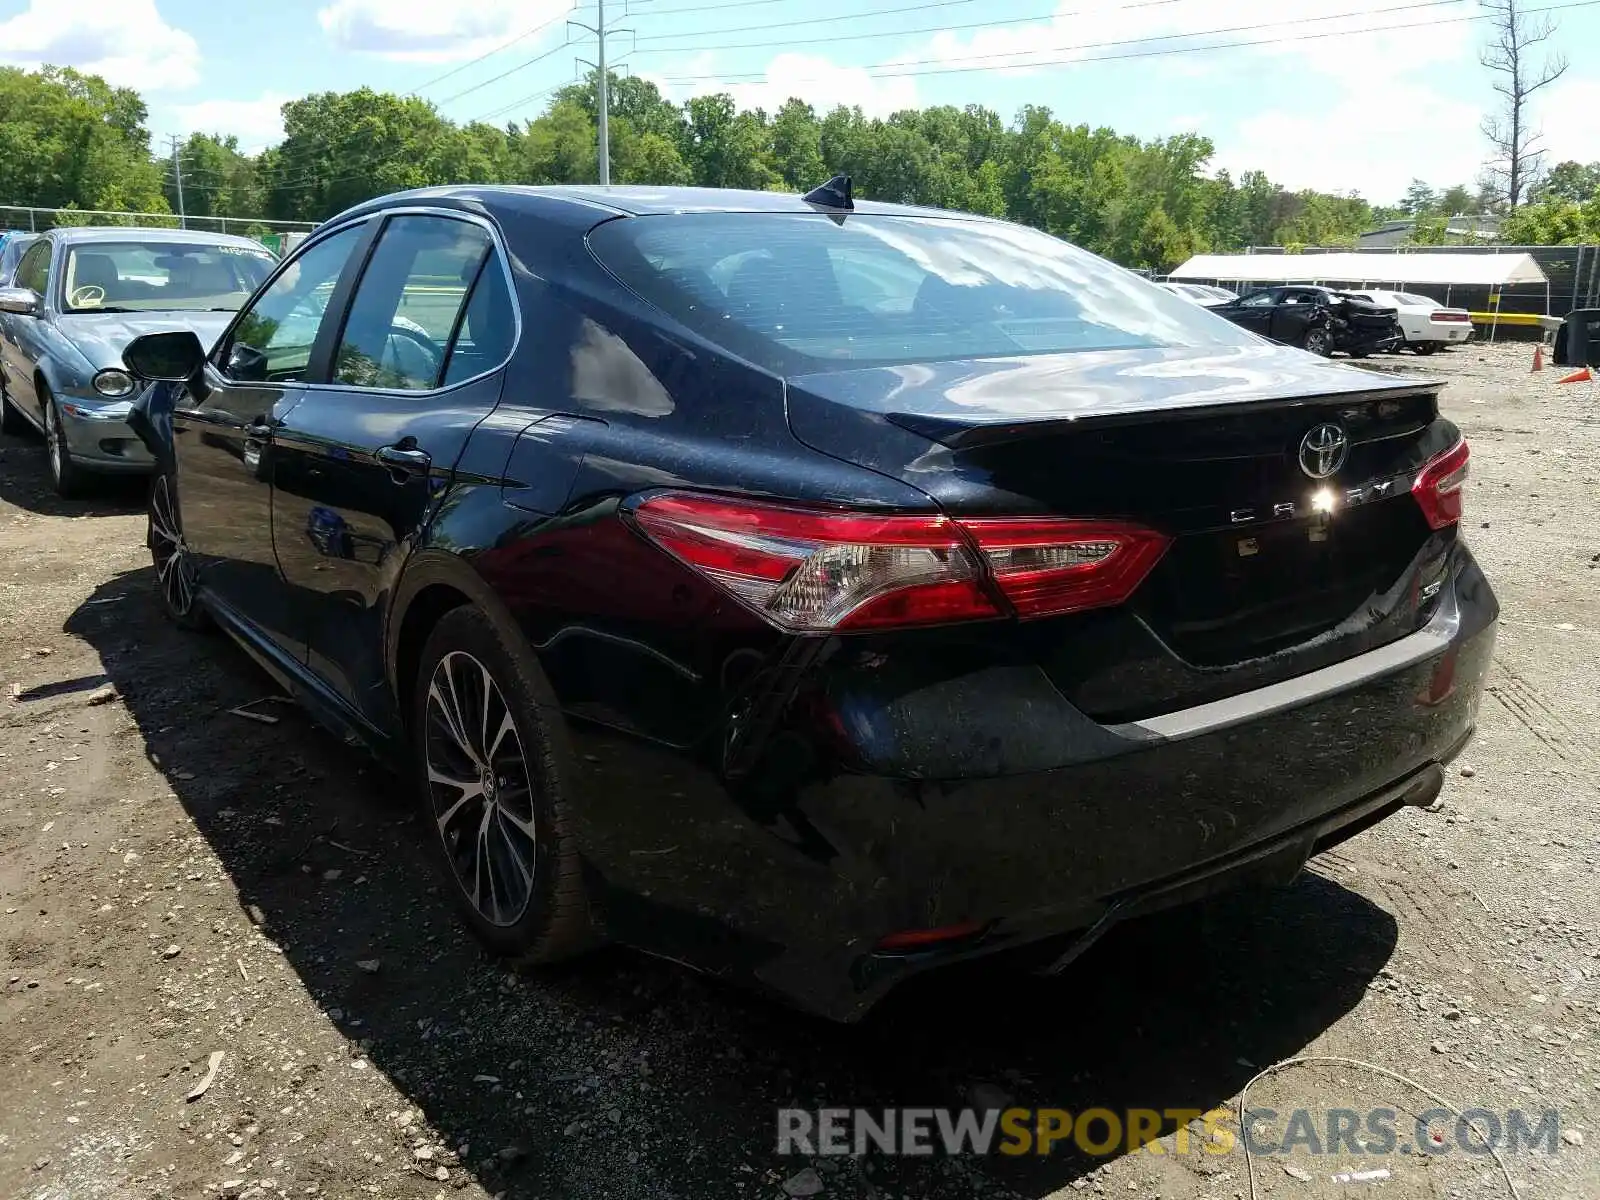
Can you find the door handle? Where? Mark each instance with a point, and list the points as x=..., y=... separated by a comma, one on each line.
x=405, y=458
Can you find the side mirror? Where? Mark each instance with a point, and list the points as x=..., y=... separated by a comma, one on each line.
x=175, y=356
x=24, y=302
x=247, y=364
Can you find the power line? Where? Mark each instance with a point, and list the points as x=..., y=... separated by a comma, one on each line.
x=1165, y=37
x=881, y=71
x=504, y=109
x=882, y=12
x=505, y=45
x=497, y=78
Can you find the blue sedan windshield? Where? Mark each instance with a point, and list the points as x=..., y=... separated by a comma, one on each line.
x=161, y=276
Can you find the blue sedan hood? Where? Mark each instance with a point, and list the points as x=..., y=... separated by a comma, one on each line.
x=100, y=337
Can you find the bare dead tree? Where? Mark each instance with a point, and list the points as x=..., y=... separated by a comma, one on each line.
x=1510, y=55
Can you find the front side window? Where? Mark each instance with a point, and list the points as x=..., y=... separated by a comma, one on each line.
x=1259, y=300
x=34, y=269
x=162, y=276
x=799, y=292
x=409, y=302
x=272, y=341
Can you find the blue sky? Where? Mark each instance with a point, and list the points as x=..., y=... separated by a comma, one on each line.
x=1344, y=95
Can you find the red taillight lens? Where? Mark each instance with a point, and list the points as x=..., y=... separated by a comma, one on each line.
x=1459, y=318
x=1051, y=566
x=1438, y=486
x=814, y=571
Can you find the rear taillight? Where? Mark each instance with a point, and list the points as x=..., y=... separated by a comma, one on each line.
x=1457, y=318
x=1048, y=566
x=1438, y=487
x=808, y=570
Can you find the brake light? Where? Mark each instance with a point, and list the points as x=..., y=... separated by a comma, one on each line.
x=1459, y=318
x=1438, y=486
x=809, y=570
x=1049, y=566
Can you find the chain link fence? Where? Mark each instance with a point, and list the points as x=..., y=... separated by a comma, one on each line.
x=278, y=236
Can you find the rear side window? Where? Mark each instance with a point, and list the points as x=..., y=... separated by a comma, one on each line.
x=409, y=302
x=798, y=292
x=488, y=327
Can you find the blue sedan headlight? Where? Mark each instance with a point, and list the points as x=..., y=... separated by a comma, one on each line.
x=114, y=382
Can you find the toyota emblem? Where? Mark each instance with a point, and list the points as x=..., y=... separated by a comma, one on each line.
x=1323, y=450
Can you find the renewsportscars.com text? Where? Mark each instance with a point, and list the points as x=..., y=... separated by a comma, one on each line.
x=1103, y=1131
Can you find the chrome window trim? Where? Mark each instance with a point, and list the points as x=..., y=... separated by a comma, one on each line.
x=382, y=214
x=498, y=248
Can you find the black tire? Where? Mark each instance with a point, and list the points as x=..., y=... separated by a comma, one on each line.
x=176, y=581
x=518, y=815
x=1424, y=347
x=69, y=478
x=1318, y=341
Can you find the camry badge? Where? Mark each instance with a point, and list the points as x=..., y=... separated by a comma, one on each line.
x=1323, y=450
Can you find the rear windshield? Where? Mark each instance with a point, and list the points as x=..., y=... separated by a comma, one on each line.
x=808, y=292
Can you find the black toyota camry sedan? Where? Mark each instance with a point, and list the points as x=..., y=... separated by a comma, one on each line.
x=816, y=591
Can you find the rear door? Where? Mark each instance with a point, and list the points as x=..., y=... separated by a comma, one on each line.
x=223, y=430
x=1293, y=313
x=360, y=461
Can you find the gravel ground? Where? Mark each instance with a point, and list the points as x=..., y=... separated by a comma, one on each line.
x=178, y=883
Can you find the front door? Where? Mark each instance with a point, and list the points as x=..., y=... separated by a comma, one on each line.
x=359, y=462
x=223, y=427
x=1254, y=312
x=23, y=342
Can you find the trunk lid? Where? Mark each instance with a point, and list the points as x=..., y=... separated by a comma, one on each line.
x=1262, y=580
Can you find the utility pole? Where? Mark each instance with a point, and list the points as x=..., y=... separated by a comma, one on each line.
x=602, y=91
x=602, y=95
x=177, y=172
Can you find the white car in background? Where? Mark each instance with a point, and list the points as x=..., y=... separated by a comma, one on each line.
x=1199, y=293
x=1427, y=324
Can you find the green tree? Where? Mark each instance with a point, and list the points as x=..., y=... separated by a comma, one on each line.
x=217, y=180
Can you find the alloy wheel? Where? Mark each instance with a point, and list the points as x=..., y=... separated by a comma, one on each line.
x=480, y=789
x=174, y=567
x=1317, y=342
x=52, y=440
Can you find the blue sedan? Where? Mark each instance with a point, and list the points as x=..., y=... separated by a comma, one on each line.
x=79, y=296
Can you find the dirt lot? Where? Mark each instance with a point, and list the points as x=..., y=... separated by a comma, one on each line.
x=176, y=881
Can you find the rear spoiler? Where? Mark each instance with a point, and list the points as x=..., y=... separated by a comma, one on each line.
x=960, y=433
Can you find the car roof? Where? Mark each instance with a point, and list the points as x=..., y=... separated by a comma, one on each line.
x=640, y=201
x=84, y=234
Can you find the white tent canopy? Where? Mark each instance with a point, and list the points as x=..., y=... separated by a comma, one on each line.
x=1481, y=270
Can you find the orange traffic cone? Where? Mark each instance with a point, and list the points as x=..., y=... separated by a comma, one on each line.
x=1538, y=357
x=1582, y=375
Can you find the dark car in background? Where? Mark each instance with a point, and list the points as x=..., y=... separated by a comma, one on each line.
x=1317, y=319
x=78, y=296
x=815, y=592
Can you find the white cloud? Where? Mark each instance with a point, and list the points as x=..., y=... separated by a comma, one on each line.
x=256, y=123
x=434, y=30
x=1327, y=70
x=818, y=81
x=1565, y=115
x=1332, y=147
x=126, y=41
x=1336, y=36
